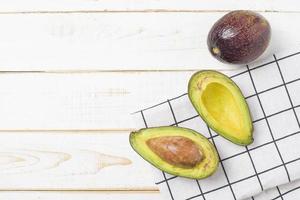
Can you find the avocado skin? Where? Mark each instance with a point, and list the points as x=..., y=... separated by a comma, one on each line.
x=212, y=156
x=191, y=84
x=239, y=37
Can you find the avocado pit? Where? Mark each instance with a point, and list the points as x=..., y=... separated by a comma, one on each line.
x=176, y=150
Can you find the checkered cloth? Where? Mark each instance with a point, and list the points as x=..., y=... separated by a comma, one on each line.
x=257, y=171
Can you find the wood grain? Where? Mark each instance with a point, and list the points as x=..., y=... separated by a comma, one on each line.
x=144, y=5
x=82, y=101
x=70, y=162
x=96, y=42
x=97, y=61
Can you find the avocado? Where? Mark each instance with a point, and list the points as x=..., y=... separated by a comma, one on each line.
x=178, y=151
x=239, y=37
x=221, y=104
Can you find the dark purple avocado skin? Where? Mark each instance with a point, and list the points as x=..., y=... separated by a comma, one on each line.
x=239, y=37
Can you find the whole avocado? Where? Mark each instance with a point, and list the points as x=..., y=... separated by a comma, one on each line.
x=239, y=37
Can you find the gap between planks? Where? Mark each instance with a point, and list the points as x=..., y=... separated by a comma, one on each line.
x=73, y=131
x=137, y=11
x=108, y=71
x=112, y=190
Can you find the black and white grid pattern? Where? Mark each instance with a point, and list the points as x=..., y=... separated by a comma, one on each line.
x=272, y=91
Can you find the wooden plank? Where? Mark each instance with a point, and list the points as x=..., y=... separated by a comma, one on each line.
x=82, y=101
x=99, y=101
x=98, y=161
x=120, y=41
x=80, y=196
x=145, y=5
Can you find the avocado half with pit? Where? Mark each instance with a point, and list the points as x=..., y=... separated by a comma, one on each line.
x=178, y=151
x=221, y=104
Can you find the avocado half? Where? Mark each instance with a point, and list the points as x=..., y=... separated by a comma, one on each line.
x=208, y=164
x=221, y=104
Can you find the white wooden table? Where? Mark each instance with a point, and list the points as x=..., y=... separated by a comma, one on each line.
x=72, y=71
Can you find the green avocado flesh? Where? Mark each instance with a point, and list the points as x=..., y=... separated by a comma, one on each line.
x=221, y=104
x=178, y=151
